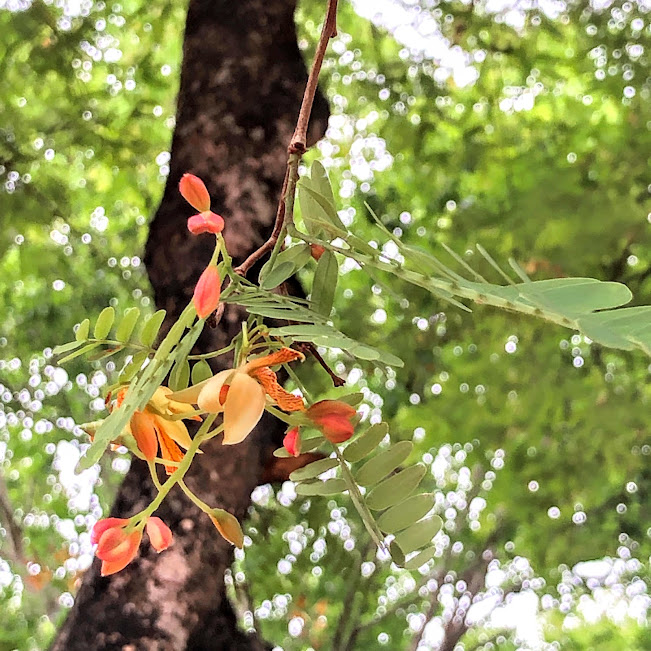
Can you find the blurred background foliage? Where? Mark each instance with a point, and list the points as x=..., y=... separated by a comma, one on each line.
x=520, y=126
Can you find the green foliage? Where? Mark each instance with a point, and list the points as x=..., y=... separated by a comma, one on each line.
x=548, y=425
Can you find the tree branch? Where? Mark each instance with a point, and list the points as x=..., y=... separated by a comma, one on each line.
x=297, y=146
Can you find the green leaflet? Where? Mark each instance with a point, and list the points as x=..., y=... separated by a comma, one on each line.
x=379, y=466
x=279, y=274
x=83, y=330
x=104, y=323
x=325, y=283
x=395, y=488
x=128, y=323
x=81, y=351
x=132, y=367
x=405, y=513
x=419, y=534
x=286, y=264
x=420, y=558
x=201, y=371
x=366, y=442
x=313, y=470
x=64, y=348
x=329, y=487
x=150, y=328
x=180, y=375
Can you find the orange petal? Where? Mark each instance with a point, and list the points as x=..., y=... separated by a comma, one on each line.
x=292, y=441
x=169, y=450
x=142, y=426
x=115, y=544
x=281, y=356
x=194, y=191
x=159, y=534
x=284, y=399
x=102, y=525
x=243, y=408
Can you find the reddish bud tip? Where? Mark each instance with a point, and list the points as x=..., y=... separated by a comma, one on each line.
x=205, y=222
x=207, y=292
x=334, y=418
x=159, y=534
x=317, y=251
x=292, y=441
x=194, y=191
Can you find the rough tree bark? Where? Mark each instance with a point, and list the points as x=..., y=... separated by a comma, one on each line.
x=241, y=84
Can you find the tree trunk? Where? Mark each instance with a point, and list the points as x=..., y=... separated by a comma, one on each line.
x=241, y=84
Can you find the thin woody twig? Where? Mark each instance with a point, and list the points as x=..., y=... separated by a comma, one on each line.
x=307, y=346
x=298, y=143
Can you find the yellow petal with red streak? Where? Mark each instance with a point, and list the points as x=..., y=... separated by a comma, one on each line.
x=243, y=408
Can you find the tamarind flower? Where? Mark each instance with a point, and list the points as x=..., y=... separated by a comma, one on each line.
x=156, y=427
x=241, y=394
x=194, y=191
x=116, y=547
x=334, y=418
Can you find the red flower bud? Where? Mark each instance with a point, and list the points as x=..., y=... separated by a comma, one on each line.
x=207, y=292
x=292, y=441
x=317, y=251
x=334, y=419
x=205, y=222
x=194, y=191
x=159, y=534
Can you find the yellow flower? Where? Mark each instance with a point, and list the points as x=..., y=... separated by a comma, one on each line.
x=241, y=394
x=156, y=427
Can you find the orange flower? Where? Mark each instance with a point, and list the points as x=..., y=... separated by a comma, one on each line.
x=159, y=534
x=115, y=547
x=156, y=427
x=194, y=191
x=292, y=441
x=207, y=292
x=334, y=419
x=241, y=394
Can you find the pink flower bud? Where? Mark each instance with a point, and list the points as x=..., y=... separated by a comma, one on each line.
x=317, y=251
x=205, y=222
x=194, y=191
x=159, y=534
x=207, y=292
x=292, y=441
x=334, y=419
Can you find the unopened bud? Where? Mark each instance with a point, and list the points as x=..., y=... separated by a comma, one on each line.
x=228, y=527
x=194, y=191
x=317, y=251
x=207, y=292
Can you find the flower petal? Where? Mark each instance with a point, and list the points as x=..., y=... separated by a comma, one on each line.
x=208, y=399
x=189, y=395
x=159, y=534
x=243, y=408
x=284, y=399
x=143, y=428
x=176, y=430
x=115, y=544
x=281, y=356
x=102, y=525
x=168, y=450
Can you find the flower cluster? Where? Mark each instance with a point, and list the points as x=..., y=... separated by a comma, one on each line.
x=117, y=541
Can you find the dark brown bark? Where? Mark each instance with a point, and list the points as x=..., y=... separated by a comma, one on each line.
x=241, y=85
